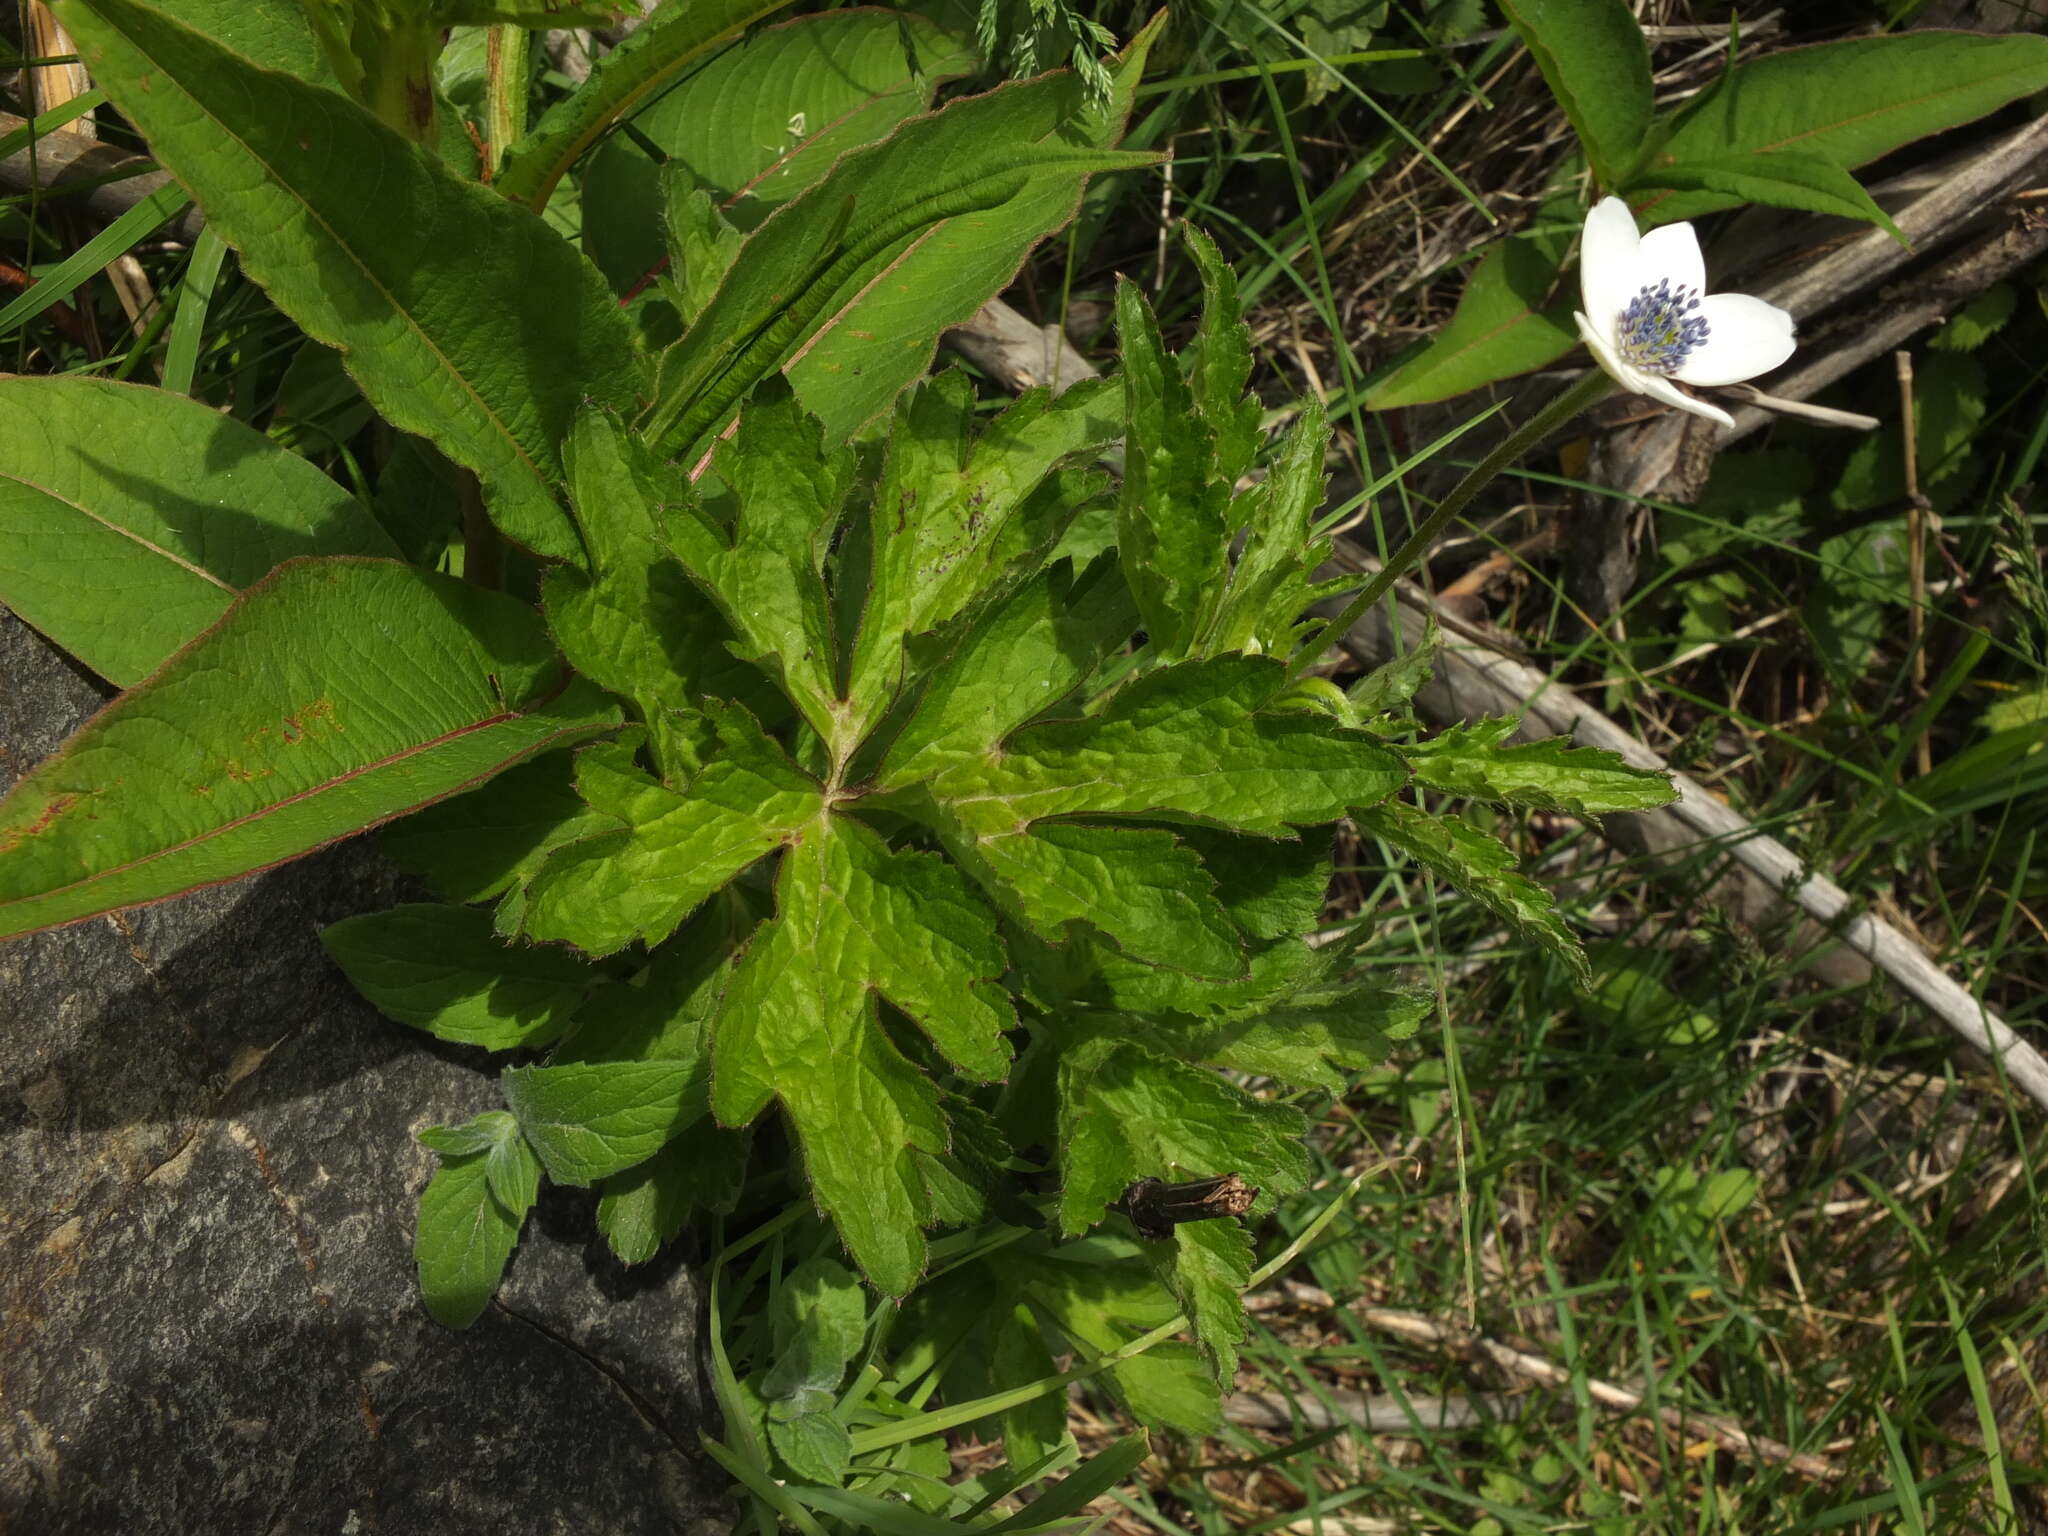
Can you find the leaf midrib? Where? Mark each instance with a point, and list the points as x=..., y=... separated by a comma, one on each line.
x=125, y=532
x=276, y=180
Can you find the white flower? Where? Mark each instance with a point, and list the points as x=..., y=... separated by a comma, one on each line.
x=1649, y=321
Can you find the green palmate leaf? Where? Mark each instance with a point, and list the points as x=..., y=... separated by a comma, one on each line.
x=1597, y=65
x=761, y=123
x=1195, y=740
x=333, y=695
x=1019, y=660
x=1140, y=887
x=1849, y=102
x=1206, y=1265
x=1475, y=760
x=1127, y=1113
x=855, y=921
x=648, y=1204
x=1483, y=868
x=849, y=285
x=466, y=1231
x=130, y=517
x=443, y=970
x=953, y=508
x=1784, y=178
x=370, y=244
x=763, y=564
x=1271, y=890
x=474, y=846
x=672, y=42
x=1513, y=316
x=1307, y=1032
x=634, y=623
x=665, y=852
x=1172, y=529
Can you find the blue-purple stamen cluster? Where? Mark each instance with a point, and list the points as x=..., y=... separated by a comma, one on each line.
x=1660, y=329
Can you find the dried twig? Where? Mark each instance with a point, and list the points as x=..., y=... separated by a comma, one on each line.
x=1474, y=681
x=1724, y=1432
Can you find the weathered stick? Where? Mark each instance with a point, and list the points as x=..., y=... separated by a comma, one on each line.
x=1473, y=681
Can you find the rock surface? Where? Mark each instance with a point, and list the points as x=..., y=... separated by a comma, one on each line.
x=209, y=1320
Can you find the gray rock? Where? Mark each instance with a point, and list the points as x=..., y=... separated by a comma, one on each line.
x=209, y=1320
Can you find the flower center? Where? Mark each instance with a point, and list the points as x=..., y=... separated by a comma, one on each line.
x=1659, y=330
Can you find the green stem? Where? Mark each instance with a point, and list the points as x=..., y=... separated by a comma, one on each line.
x=507, y=55
x=1588, y=391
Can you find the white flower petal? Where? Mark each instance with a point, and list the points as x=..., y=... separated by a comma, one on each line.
x=1745, y=337
x=1608, y=255
x=1671, y=394
x=1670, y=251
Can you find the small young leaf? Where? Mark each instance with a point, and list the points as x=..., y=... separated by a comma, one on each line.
x=478, y=1134
x=512, y=1172
x=464, y=1238
x=1220, y=362
x=942, y=523
x=1473, y=760
x=647, y=1205
x=765, y=568
x=666, y=852
x=443, y=970
x=1392, y=684
x=1052, y=633
x=1274, y=584
x=1483, y=868
x=635, y=623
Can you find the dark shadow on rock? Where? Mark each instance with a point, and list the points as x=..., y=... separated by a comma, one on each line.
x=209, y=1315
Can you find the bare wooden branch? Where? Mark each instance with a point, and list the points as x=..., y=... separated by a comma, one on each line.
x=57, y=161
x=1724, y=1432
x=1017, y=353
x=1474, y=681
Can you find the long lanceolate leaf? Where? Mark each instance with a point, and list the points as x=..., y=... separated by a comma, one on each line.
x=464, y=318
x=130, y=517
x=901, y=240
x=673, y=40
x=335, y=694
